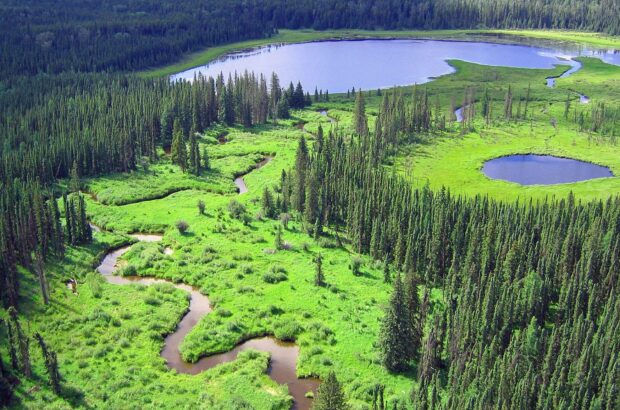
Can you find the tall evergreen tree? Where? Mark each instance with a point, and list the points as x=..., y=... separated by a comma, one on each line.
x=330, y=395
x=396, y=334
x=22, y=343
x=360, y=122
x=319, y=277
x=178, y=152
x=301, y=169
x=51, y=364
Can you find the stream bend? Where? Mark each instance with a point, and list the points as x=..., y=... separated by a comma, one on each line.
x=283, y=355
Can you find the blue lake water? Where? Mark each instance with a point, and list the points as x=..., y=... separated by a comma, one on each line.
x=542, y=170
x=369, y=64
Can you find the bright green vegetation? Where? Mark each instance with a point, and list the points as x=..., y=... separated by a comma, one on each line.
x=456, y=162
x=592, y=39
x=108, y=337
x=299, y=36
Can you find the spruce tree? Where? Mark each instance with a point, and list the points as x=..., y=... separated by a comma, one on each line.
x=360, y=122
x=278, y=242
x=330, y=395
x=51, y=364
x=74, y=184
x=268, y=206
x=301, y=170
x=283, y=109
x=508, y=104
x=38, y=264
x=396, y=336
x=22, y=343
x=195, y=165
x=319, y=278
x=178, y=152
x=166, y=121
x=311, y=203
x=387, y=276
x=12, y=345
x=413, y=309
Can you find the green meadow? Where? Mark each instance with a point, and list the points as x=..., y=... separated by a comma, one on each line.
x=108, y=337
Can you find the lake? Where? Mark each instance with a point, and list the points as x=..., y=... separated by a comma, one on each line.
x=370, y=64
x=542, y=170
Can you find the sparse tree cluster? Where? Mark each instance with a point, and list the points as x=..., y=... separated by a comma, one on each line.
x=19, y=345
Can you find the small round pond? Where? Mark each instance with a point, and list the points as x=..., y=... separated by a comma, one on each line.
x=533, y=169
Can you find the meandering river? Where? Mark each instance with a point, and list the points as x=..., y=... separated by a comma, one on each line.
x=283, y=355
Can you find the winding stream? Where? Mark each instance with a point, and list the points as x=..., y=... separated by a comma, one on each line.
x=283, y=355
x=326, y=114
x=240, y=183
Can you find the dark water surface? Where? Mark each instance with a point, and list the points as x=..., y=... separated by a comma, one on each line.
x=542, y=170
x=369, y=64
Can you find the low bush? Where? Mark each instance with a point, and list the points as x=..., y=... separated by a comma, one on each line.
x=274, y=277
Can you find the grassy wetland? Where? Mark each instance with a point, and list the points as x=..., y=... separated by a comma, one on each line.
x=259, y=269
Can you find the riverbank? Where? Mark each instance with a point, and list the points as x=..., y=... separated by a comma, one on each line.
x=300, y=36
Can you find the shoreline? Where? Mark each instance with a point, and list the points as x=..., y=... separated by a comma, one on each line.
x=285, y=37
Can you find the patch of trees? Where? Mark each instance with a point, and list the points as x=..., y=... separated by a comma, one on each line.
x=112, y=122
x=530, y=310
x=19, y=345
x=31, y=232
x=73, y=36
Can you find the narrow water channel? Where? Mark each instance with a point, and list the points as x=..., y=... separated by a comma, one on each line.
x=240, y=183
x=283, y=355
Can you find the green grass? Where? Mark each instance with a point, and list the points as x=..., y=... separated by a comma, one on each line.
x=578, y=37
x=108, y=340
x=300, y=36
x=109, y=337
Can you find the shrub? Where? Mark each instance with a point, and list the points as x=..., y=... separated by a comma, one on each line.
x=288, y=331
x=128, y=270
x=327, y=243
x=356, y=264
x=182, y=226
x=274, y=277
x=223, y=312
x=236, y=209
x=246, y=269
x=152, y=300
x=285, y=218
x=277, y=269
x=94, y=281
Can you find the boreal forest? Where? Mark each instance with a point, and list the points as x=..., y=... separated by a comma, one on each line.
x=310, y=204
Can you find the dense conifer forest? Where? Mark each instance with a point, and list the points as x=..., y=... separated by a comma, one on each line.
x=532, y=308
x=474, y=301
